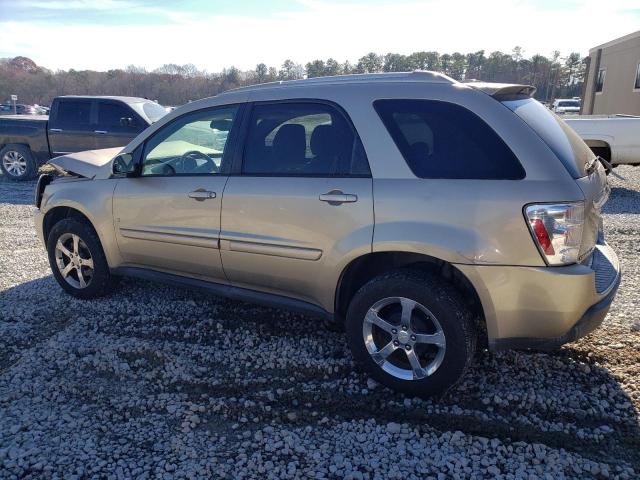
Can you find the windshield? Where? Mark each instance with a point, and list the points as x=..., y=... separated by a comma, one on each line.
x=569, y=104
x=153, y=111
x=560, y=137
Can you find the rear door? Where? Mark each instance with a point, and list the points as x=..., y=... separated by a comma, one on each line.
x=117, y=124
x=70, y=128
x=303, y=199
x=168, y=218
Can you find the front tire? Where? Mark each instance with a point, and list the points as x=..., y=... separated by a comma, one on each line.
x=411, y=331
x=18, y=163
x=77, y=260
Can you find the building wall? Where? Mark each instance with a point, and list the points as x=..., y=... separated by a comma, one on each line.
x=620, y=59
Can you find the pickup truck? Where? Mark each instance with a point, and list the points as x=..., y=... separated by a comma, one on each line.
x=616, y=138
x=75, y=124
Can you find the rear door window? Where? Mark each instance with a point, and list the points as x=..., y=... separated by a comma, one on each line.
x=444, y=140
x=302, y=139
x=74, y=114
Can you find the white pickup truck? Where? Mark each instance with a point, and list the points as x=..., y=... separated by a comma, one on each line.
x=616, y=138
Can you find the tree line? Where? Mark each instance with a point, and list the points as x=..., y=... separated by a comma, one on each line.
x=172, y=84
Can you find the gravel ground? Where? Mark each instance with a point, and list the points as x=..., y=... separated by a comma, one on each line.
x=162, y=382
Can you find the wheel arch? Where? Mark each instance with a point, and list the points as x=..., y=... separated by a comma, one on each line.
x=56, y=214
x=362, y=269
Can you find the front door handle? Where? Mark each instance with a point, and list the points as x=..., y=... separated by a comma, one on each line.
x=201, y=194
x=337, y=197
x=55, y=130
x=100, y=132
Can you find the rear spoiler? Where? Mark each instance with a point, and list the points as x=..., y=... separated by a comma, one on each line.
x=504, y=91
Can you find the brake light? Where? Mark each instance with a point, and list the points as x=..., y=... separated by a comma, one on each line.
x=543, y=236
x=557, y=230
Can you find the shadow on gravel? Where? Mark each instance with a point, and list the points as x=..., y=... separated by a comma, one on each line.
x=180, y=342
x=623, y=200
x=16, y=193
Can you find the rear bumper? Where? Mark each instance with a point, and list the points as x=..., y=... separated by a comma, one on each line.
x=545, y=307
x=592, y=319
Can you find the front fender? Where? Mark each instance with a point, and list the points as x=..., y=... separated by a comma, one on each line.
x=93, y=199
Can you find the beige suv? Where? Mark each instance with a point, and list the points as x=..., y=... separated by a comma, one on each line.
x=428, y=217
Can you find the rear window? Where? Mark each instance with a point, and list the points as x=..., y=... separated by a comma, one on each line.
x=560, y=137
x=444, y=140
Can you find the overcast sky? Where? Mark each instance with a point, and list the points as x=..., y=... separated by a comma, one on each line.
x=105, y=34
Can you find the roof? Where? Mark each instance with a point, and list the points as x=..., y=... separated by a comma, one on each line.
x=395, y=77
x=616, y=41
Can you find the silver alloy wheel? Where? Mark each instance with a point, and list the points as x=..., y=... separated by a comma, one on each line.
x=14, y=163
x=74, y=260
x=403, y=334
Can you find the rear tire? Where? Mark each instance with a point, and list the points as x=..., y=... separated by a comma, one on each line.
x=77, y=260
x=18, y=163
x=421, y=353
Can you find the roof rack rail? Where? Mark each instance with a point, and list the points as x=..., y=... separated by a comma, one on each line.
x=415, y=76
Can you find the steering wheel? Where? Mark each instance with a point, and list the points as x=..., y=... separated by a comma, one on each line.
x=194, y=155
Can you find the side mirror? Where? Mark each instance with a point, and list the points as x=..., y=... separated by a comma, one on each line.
x=124, y=164
x=126, y=122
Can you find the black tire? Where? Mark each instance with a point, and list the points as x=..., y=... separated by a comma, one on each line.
x=14, y=151
x=444, y=302
x=101, y=281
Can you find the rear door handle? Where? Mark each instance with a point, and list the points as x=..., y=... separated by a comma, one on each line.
x=201, y=194
x=101, y=132
x=336, y=197
x=55, y=130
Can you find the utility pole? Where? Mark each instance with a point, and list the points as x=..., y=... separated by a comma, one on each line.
x=14, y=99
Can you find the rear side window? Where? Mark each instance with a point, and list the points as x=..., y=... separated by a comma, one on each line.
x=302, y=139
x=116, y=117
x=73, y=113
x=444, y=140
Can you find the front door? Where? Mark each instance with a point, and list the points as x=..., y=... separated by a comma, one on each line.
x=117, y=125
x=302, y=202
x=168, y=218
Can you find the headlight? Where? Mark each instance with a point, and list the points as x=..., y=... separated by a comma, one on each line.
x=557, y=230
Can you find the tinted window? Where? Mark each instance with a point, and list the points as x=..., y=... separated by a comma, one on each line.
x=636, y=84
x=194, y=144
x=444, y=140
x=600, y=80
x=561, y=139
x=302, y=139
x=73, y=113
x=114, y=116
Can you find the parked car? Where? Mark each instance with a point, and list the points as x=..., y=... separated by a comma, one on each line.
x=20, y=109
x=616, y=138
x=563, y=106
x=418, y=212
x=75, y=124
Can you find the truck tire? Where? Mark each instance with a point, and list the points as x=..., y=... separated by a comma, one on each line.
x=411, y=331
x=18, y=163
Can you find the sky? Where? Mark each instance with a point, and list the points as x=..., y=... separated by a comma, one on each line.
x=217, y=34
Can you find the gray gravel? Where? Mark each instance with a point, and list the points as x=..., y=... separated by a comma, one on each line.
x=162, y=382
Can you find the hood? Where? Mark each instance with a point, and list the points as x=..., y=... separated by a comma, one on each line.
x=85, y=164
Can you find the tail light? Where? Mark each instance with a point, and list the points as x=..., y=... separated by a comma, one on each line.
x=557, y=230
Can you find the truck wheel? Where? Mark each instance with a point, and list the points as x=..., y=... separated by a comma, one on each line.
x=17, y=162
x=77, y=260
x=411, y=331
